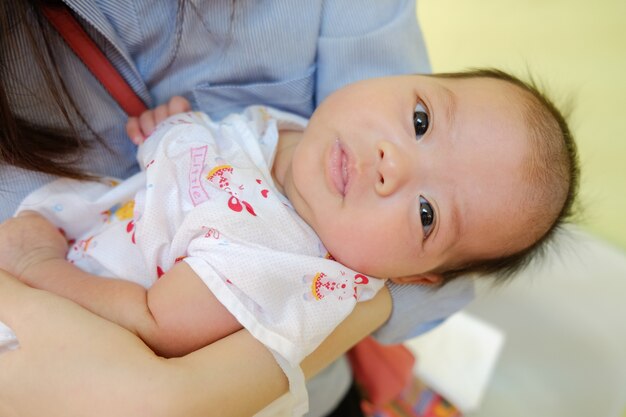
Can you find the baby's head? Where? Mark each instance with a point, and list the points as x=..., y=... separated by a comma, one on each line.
x=424, y=178
x=550, y=170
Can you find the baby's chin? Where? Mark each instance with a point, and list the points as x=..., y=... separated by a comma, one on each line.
x=360, y=263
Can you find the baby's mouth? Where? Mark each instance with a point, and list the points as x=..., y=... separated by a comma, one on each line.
x=339, y=173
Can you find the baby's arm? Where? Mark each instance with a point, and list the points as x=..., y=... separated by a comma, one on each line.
x=177, y=315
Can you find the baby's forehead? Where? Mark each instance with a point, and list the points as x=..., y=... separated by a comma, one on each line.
x=541, y=137
x=494, y=94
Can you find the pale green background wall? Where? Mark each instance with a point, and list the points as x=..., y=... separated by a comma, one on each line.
x=577, y=49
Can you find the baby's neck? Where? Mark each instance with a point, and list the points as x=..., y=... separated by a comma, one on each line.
x=287, y=142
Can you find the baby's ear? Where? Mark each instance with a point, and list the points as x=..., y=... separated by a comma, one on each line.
x=428, y=278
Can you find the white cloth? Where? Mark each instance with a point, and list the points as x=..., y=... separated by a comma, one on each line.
x=457, y=359
x=206, y=197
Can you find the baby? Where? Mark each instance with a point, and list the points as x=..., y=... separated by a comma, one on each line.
x=279, y=225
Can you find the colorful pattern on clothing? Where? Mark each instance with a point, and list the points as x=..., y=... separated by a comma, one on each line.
x=206, y=197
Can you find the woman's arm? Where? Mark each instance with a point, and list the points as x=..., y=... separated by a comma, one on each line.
x=175, y=316
x=252, y=370
x=109, y=371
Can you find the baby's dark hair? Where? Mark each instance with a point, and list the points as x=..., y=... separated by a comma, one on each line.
x=553, y=166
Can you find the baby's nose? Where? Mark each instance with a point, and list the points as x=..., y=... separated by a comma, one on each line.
x=391, y=168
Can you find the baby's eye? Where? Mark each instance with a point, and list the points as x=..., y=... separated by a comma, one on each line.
x=427, y=216
x=420, y=120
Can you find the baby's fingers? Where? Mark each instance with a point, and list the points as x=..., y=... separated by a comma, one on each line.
x=133, y=130
x=161, y=113
x=147, y=122
x=139, y=128
x=178, y=104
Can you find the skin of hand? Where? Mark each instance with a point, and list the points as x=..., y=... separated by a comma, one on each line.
x=139, y=128
x=28, y=240
x=65, y=349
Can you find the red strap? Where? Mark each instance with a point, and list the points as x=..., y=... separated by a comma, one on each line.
x=86, y=49
x=382, y=371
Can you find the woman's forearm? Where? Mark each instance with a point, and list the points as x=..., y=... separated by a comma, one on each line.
x=174, y=317
x=120, y=301
x=111, y=372
x=242, y=367
x=66, y=349
x=366, y=317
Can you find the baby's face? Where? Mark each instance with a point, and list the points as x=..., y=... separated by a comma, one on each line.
x=407, y=175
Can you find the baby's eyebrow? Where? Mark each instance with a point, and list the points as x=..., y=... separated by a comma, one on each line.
x=448, y=101
x=456, y=220
x=453, y=227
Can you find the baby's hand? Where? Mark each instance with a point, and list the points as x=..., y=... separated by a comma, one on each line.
x=27, y=240
x=139, y=128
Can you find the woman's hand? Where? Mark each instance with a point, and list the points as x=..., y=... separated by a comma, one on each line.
x=29, y=240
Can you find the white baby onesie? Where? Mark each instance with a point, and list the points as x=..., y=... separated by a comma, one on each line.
x=206, y=197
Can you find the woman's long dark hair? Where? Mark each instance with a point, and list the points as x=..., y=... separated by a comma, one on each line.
x=24, y=144
x=52, y=150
